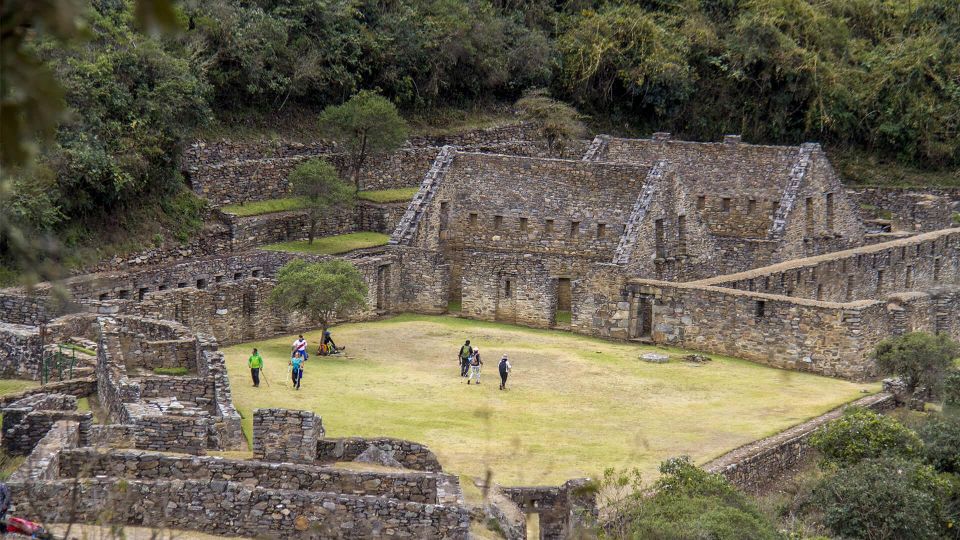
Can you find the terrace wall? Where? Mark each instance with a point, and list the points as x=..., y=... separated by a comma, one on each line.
x=411, y=455
x=140, y=465
x=256, y=512
x=912, y=209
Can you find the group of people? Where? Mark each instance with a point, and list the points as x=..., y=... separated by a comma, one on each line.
x=471, y=364
x=298, y=357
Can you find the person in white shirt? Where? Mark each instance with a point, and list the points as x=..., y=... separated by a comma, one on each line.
x=300, y=347
x=504, y=371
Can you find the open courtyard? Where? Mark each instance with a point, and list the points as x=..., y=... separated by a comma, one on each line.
x=574, y=407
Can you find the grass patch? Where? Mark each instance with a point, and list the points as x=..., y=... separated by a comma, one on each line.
x=15, y=386
x=564, y=317
x=333, y=245
x=175, y=371
x=454, y=306
x=269, y=206
x=78, y=348
x=388, y=195
x=576, y=405
x=878, y=213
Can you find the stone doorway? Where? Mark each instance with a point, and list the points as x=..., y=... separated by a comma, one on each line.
x=641, y=326
x=383, y=288
x=562, y=308
x=506, y=309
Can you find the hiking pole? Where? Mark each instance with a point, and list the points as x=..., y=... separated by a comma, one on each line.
x=263, y=373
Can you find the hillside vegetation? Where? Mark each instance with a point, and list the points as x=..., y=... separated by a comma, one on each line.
x=878, y=79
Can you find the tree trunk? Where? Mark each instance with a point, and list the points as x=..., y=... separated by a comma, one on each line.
x=358, y=162
x=313, y=230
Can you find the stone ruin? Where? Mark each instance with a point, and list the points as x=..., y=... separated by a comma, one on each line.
x=730, y=248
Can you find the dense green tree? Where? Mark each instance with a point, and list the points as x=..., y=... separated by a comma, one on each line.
x=557, y=122
x=862, y=434
x=321, y=292
x=367, y=124
x=319, y=183
x=941, y=442
x=687, y=502
x=884, y=498
x=920, y=359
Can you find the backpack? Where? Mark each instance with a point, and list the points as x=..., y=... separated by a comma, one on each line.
x=468, y=349
x=296, y=362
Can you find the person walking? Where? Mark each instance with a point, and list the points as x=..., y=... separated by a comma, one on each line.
x=475, y=364
x=300, y=347
x=256, y=364
x=504, y=371
x=296, y=370
x=465, y=353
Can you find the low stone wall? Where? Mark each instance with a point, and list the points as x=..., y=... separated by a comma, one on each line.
x=74, y=387
x=112, y=436
x=20, y=351
x=171, y=433
x=24, y=428
x=286, y=435
x=563, y=510
x=254, y=512
x=751, y=467
x=139, y=465
x=43, y=463
x=411, y=455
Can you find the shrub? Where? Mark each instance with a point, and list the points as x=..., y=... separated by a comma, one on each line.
x=884, y=498
x=919, y=358
x=861, y=434
x=941, y=438
x=951, y=389
x=690, y=503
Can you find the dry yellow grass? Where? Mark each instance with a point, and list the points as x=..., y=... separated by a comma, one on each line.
x=575, y=406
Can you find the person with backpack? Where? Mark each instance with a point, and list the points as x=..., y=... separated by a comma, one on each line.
x=296, y=370
x=256, y=364
x=504, y=371
x=465, y=353
x=327, y=346
x=475, y=364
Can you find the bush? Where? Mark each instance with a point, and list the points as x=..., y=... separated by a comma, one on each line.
x=951, y=389
x=920, y=359
x=861, y=434
x=690, y=503
x=884, y=498
x=941, y=438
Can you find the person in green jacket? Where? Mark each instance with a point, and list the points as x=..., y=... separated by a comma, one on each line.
x=256, y=364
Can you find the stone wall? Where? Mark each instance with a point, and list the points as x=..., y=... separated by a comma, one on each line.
x=912, y=264
x=252, y=231
x=75, y=387
x=562, y=510
x=253, y=512
x=411, y=455
x=910, y=209
x=286, y=435
x=23, y=428
x=43, y=463
x=141, y=465
x=20, y=351
x=752, y=467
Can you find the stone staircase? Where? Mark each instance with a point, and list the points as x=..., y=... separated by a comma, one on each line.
x=407, y=227
x=597, y=149
x=629, y=239
x=792, y=190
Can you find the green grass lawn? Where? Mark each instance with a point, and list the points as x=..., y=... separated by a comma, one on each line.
x=286, y=204
x=575, y=406
x=388, y=195
x=13, y=386
x=332, y=245
x=269, y=206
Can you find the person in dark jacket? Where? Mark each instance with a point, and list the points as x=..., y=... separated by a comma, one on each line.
x=504, y=368
x=465, y=353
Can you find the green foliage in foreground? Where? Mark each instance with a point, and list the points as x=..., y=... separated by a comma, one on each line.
x=333, y=245
x=885, y=498
x=941, y=443
x=320, y=291
x=920, y=359
x=688, y=503
x=863, y=434
x=174, y=371
x=388, y=195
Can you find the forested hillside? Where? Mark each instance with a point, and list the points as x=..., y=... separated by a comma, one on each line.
x=876, y=78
